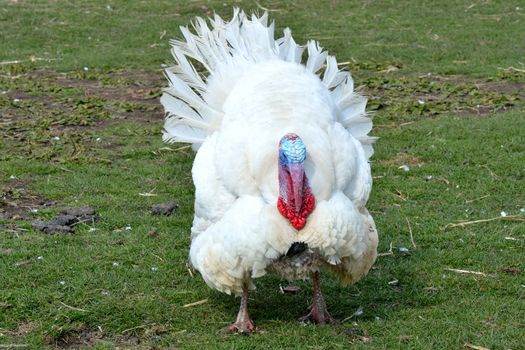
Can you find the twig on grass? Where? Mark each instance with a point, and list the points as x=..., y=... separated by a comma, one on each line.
x=31, y=59
x=389, y=252
x=465, y=223
x=358, y=312
x=514, y=69
x=477, y=199
x=475, y=347
x=493, y=174
x=468, y=272
x=266, y=8
x=169, y=149
x=158, y=257
x=200, y=302
x=137, y=327
x=72, y=307
x=14, y=346
x=411, y=236
x=64, y=169
x=148, y=194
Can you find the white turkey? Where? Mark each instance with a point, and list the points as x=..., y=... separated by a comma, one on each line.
x=281, y=171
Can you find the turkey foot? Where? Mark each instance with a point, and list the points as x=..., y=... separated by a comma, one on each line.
x=243, y=324
x=318, y=312
x=241, y=327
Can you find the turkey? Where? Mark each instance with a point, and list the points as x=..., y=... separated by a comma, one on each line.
x=281, y=172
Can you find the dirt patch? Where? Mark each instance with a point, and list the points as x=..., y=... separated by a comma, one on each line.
x=402, y=159
x=83, y=99
x=54, y=116
x=86, y=338
x=501, y=86
x=121, y=85
x=402, y=96
x=21, y=330
x=78, y=339
x=17, y=202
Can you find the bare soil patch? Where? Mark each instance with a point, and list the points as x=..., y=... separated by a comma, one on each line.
x=434, y=95
x=17, y=201
x=78, y=339
x=403, y=159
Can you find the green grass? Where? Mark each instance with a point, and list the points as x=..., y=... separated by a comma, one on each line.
x=114, y=284
x=452, y=37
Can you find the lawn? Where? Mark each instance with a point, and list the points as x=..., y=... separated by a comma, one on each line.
x=80, y=125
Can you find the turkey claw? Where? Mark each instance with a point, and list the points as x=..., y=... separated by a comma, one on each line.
x=317, y=316
x=245, y=327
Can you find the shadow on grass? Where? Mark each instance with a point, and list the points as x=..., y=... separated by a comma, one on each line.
x=392, y=286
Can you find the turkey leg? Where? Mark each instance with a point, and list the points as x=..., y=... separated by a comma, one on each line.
x=243, y=324
x=318, y=312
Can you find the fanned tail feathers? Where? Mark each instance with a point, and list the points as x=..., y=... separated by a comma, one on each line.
x=194, y=105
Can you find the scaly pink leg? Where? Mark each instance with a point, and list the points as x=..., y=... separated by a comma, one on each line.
x=318, y=312
x=243, y=324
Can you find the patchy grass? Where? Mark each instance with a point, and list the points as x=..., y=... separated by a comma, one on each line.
x=78, y=137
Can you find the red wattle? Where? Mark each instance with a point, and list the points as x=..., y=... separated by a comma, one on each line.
x=298, y=221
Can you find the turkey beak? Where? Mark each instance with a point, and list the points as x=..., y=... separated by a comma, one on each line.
x=297, y=175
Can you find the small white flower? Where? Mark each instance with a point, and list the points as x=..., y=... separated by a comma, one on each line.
x=115, y=264
x=154, y=269
x=56, y=138
x=403, y=250
x=404, y=167
x=503, y=214
x=109, y=8
x=98, y=139
x=16, y=100
x=127, y=228
x=522, y=210
x=421, y=102
x=34, y=210
x=12, y=177
x=40, y=257
x=429, y=177
x=104, y=292
x=92, y=229
x=62, y=283
x=85, y=68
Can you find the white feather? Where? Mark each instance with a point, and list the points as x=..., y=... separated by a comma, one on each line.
x=316, y=56
x=227, y=48
x=256, y=90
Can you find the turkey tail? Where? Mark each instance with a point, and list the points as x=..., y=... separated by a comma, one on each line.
x=193, y=101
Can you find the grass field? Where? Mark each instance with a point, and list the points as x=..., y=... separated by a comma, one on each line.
x=80, y=125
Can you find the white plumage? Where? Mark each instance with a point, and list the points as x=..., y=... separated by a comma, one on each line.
x=256, y=91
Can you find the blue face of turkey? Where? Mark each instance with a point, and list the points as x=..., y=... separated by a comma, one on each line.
x=296, y=200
